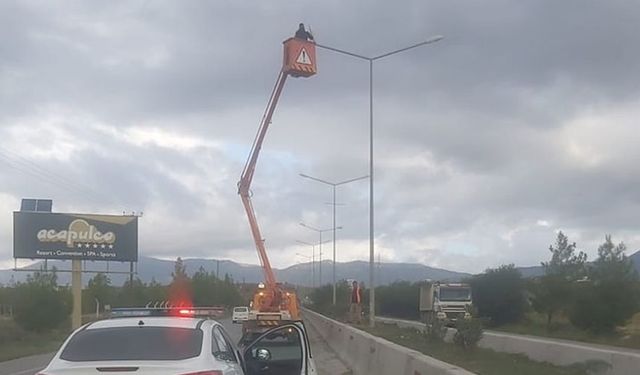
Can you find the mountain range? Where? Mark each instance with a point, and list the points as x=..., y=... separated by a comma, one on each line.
x=160, y=270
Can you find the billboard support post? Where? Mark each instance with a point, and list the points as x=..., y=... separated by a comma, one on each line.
x=76, y=289
x=131, y=274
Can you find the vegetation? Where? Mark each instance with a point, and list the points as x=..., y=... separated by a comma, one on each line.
x=480, y=361
x=322, y=300
x=575, y=300
x=499, y=295
x=40, y=305
x=34, y=315
x=554, y=292
x=15, y=342
x=400, y=299
x=468, y=333
x=610, y=297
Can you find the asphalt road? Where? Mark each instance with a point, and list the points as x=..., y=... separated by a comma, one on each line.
x=324, y=357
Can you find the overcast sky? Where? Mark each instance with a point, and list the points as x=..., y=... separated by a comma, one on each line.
x=521, y=122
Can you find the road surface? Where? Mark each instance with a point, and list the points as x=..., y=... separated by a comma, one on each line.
x=325, y=358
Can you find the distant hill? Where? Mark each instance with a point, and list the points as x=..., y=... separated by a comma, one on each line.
x=299, y=274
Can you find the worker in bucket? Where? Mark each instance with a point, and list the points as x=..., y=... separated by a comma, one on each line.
x=301, y=33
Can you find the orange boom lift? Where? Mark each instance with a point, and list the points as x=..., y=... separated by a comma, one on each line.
x=271, y=303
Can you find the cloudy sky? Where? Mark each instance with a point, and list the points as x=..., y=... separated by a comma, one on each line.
x=521, y=122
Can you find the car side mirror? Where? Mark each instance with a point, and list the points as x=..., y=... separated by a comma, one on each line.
x=263, y=354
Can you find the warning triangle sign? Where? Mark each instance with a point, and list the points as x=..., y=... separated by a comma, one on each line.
x=303, y=58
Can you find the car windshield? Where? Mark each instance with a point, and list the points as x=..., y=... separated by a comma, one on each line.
x=133, y=343
x=240, y=309
x=455, y=294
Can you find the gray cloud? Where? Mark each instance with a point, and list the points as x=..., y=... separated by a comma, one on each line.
x=521, y=122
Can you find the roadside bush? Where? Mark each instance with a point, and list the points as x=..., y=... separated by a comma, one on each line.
x=469, y=332
x=41, y=305
x=435, y=331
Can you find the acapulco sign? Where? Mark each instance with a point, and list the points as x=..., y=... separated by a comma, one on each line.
x=75, y=236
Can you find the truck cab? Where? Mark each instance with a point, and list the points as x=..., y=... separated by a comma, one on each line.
x=447, y=302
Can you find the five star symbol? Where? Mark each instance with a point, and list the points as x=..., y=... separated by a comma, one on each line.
x=95, y=246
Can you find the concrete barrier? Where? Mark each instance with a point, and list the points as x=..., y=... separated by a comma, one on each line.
x=622, y=361
x=366, y=354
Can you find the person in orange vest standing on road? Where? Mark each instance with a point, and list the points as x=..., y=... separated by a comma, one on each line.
x=356, y=303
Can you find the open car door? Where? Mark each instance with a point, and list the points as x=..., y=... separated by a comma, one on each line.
x=283, y=350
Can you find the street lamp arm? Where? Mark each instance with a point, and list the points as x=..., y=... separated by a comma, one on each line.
x=429, y=41
x=310, y=227
x=352, y=180
x=316, y=179
x=343, y=52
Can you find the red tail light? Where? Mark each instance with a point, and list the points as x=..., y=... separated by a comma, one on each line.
x=186, y=312
x=211, y=372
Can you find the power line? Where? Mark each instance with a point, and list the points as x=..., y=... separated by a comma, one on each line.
x=28, y=167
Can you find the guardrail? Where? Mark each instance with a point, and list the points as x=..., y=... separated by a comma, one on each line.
x=366, y=354
x=622, y=361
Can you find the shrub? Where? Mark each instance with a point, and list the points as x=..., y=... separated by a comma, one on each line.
x=469, y=332
x=41, y=305
x=436, y=331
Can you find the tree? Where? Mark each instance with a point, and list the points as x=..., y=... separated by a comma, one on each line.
x=553, y=291
x=564, y=261
x=132, y=294
x=40, y=304
x=498, y=294
x=610, y=296
x=205, y=288
x=399, y=300
x=156, y=292
x=180, y=291
x=98, y=288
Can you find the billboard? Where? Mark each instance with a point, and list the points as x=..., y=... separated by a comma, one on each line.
x=75, y=236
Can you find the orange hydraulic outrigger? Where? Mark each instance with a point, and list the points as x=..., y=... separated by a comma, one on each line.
x=299, y=61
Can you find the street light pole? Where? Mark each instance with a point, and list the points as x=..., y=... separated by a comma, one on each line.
x=320, y=231
x=313, y=261
x=333, y=185
x=333, y=261
x=371, y=206
x=307, y=258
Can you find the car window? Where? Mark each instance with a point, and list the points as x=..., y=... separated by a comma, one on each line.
x=133, y=343
x=281, y=351
x=221, y=348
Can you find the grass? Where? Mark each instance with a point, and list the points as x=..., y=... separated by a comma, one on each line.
x=16, y=343
x=480, y=361
x=535, y=325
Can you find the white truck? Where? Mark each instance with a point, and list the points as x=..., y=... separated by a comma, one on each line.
x=448, y=302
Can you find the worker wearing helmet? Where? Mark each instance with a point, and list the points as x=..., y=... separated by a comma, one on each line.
x=301, y=33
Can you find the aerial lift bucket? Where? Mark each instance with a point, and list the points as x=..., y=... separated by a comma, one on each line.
x=299, y=57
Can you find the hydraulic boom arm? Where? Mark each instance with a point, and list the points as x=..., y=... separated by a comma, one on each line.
x=299, y=61
x=244, y=186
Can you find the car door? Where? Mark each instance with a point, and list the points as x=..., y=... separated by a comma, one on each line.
x=283, y=350
x=224, y=352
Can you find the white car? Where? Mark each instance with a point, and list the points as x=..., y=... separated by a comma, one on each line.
x=174, y=345
x=240, y=314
